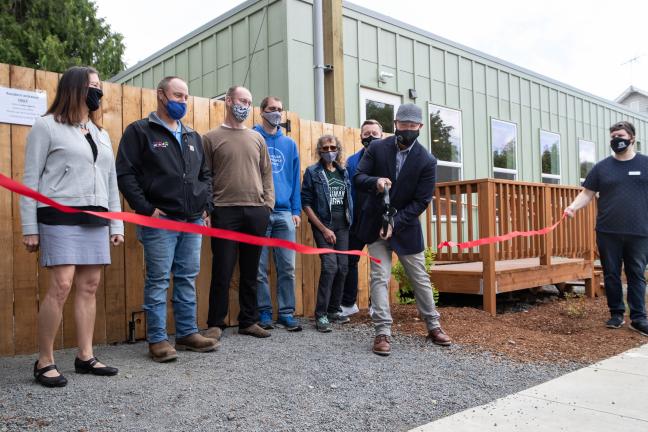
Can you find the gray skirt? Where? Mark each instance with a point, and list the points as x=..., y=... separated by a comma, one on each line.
x=70, y=244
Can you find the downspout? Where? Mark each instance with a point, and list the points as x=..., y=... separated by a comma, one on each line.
x=318, y=58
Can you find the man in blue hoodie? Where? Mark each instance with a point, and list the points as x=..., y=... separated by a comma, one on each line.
x=284, y=219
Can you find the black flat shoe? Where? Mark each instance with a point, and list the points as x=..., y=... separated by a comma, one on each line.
x=57, y=381
x=84, y=367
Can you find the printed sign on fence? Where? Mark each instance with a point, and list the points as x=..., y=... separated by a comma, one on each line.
x=21, y=106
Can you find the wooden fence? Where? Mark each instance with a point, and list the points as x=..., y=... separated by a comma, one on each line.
x=119, y=300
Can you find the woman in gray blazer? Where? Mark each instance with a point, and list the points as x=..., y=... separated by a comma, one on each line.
x=69, y=158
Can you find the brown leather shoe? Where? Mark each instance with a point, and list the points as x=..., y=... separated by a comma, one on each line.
x=254, y=330
x=162, y=352
x=438, y=336
x=213, y=333
x=382, y=345
x=196, y=342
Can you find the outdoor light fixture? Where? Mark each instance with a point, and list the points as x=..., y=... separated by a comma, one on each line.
x=382, y=76
x=412, y=94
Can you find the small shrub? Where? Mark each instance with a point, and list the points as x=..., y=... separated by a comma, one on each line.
x=405, y=292
x=574, y=306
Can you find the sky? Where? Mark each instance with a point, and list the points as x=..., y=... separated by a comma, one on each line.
x=587, y=45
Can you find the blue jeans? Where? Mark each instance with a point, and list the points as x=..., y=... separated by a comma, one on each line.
x=281, y=226
x=167, y=252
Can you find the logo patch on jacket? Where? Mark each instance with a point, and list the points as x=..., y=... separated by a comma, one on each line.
x=160, y=144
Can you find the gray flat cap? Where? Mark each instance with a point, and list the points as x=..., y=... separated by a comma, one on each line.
x=409, y=113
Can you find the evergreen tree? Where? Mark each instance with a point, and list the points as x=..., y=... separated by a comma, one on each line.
x=54, y=35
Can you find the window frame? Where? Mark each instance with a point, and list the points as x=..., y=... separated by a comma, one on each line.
x=578, y=141
x=495, y=169
x=560, y=170
x=381, y=96
x=440, y=161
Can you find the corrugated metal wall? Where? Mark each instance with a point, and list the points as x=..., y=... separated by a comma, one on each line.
x=217, y=58
x=481, y=89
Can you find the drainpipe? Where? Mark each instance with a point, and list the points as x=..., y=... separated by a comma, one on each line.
x=318, y=58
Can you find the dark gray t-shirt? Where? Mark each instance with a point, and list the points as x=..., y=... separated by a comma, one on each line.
x=623, y=195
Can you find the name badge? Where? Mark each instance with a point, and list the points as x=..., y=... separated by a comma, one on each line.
x=634, y=172
x=191, y=147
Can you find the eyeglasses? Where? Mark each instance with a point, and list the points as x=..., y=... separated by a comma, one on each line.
x=273, y=109
x=329, y=148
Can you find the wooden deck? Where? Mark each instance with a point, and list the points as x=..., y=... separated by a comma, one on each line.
x=472, y=209
x=510, y=275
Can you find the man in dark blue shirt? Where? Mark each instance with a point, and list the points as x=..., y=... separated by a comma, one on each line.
x=621, y=181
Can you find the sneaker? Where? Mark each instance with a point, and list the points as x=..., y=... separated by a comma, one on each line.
x=338, y=318
x=615, y=322
x=323, y=325
x=265, y=320
x=349, y=310
x=289, y=323
x=640, y=327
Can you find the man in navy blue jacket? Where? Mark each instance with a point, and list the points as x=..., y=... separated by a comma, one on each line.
x=284, y=219
x=369, y=131
x=402, y=164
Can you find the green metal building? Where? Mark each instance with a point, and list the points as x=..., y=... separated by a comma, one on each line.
x=485, y=117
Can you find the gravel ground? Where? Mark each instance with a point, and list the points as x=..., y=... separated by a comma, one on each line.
x=289, y=382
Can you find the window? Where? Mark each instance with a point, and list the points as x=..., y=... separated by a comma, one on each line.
x=550, y=157
x=586, y=157
x=504, y=141
x=379, y=106
x=446, y=139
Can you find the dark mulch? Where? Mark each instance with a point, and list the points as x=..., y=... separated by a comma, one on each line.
x=551, y=330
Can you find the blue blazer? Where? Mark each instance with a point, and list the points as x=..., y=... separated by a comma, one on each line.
x=410, y=194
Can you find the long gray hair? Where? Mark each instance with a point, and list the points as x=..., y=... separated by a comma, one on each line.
x=326, y=139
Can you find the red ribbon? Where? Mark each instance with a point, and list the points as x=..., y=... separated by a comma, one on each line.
x=505, y=237
x=172, y=225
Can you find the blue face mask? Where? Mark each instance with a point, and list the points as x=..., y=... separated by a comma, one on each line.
x=176, y=110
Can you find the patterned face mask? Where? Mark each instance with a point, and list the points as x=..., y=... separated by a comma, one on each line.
x=240, y=112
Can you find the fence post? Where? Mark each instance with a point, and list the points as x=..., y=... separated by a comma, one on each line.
x=546, y=241
x=486, y=212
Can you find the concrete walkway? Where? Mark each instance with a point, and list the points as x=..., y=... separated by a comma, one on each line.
x=606, y=396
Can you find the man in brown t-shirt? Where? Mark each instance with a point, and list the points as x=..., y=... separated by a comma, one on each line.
x=243, y=197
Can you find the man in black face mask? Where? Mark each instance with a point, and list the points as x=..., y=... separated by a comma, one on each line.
x=621, y=181
x=404, y=166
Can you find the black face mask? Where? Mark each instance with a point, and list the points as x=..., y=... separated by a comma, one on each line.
x=619, y=145
x=93, y=98
x=406, y=137
x=367, y=140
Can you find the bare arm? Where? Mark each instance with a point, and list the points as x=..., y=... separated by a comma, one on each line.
x=581, y=200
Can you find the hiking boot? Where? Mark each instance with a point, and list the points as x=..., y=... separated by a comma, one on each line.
x=349, y=310
x=162, y=352
x=265, y=320
x=640, y=327
x=213, y=333
x=338, y=318
x=323, y=325
x=438, y=336
x=382, y=345
x=254, y=330
x=615, y=322
x=289, y=323
x=196, y=342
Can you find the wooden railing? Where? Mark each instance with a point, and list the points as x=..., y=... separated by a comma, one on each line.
x=467, y=210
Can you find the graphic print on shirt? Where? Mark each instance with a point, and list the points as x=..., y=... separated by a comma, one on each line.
x=337, y=189
x=277, y=158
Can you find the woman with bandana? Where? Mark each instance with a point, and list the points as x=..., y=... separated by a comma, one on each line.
x=326, y=199
x=621, y=181
x=69, y=158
